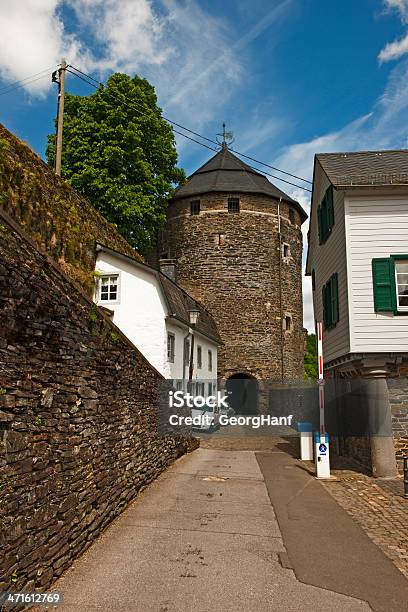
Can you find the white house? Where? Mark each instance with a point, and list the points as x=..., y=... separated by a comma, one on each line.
x=158, y=317
x=358, y=258
x=358, y=261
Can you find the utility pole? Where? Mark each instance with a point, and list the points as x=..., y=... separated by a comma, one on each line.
x=60, y=114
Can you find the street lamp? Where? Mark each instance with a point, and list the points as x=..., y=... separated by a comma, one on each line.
x=193, y=316
x=193, y=313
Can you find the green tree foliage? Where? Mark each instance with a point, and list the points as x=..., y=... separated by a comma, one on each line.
x=120, y=153
x=311, y=358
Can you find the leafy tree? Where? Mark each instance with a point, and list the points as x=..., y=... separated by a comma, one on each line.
x=311, y=358
x=120, y=153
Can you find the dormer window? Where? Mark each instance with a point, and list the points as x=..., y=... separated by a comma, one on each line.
x=233, y=205
x=195, y=207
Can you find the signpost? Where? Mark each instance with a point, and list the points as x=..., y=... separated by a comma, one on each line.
x=322, y=457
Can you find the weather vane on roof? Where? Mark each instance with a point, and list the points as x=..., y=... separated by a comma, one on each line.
x=227, y=138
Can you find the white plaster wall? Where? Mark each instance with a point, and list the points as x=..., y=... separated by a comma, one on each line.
x=140, y=313
x=140, y=310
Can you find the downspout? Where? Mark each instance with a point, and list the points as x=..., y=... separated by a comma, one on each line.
x=280, y=293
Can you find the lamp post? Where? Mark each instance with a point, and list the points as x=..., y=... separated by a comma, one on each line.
x=193, y=315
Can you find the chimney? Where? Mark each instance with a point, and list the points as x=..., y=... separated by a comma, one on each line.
x=169, y=268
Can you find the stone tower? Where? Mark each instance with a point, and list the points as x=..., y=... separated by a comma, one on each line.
x=237, y=244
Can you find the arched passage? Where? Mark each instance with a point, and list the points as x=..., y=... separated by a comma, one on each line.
x=243, y=393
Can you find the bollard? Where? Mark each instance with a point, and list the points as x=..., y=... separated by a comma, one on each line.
x=306, y=441
x=405, y=458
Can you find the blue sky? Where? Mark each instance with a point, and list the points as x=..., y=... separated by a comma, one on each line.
x=289, y=77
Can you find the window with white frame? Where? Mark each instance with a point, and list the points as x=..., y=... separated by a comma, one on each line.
x=210, y=363
x=401, y=283
x=199, y=357
x=171, y=341
x=108, y=287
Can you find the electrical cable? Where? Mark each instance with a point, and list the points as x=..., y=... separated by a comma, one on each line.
x=142, y=111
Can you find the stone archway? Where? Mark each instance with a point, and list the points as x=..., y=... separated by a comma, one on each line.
x=243, y=393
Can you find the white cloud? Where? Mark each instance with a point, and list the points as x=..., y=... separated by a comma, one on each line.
x=397, y=48
x=178, y=46
x=400, y=5
x=394, y=50
x=130, y=33
x=33, y=39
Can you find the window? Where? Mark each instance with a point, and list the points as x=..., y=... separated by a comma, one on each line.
x=287, y=322
x=210, y=388
x=390, y=284
x=292, y=217
x=108, y=288
x=233, y=205
x=330, y=299
x=285, y=251
x=199, y=357
x=210, y=361
x=179, y=385
x=401, y=284
x=325, y=216
x=220, y=239
x=313, y=280
x=171, y=340
x=186, y=351
x=195, y=207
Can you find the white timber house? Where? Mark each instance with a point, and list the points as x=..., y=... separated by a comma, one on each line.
x=358, y=260
x=173, y=331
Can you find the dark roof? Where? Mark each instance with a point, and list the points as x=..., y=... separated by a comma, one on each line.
x=365, y=168
x=226, y=172
x=178, y=301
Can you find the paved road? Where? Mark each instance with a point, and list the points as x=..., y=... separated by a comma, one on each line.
x=204, y=537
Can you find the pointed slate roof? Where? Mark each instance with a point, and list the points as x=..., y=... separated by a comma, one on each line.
x=226, y=172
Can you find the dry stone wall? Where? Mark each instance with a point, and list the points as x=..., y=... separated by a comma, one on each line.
x=78, y=416
x=60, y=221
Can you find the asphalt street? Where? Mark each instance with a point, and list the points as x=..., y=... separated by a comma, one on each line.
x=228, y=530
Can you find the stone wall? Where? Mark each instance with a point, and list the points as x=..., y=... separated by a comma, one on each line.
x=398, y=390
x=237, y=279
x=60, y=221
x=77, y=418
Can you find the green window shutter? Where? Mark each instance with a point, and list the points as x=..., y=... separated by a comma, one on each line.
x=330, y=207
x=334, y=282
x=324, y=306
x=383, y=285
x=319, y=222
x=326, y=292
x=324, y=219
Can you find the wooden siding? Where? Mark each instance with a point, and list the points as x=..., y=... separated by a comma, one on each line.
x=376, y=226
x=326, y=259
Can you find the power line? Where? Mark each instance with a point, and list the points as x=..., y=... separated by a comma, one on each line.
x=27, y=81
x=269, y=166
x=143, y=111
